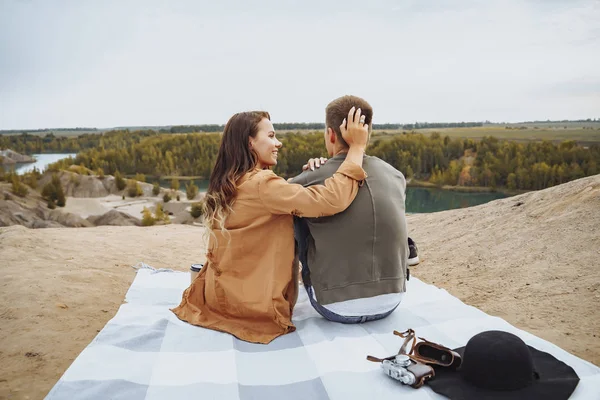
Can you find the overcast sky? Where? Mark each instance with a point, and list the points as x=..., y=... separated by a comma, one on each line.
x=157, y=62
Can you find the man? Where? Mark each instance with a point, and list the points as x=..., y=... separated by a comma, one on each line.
x=355, y=263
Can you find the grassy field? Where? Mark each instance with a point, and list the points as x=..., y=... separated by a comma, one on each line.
x=583, y=135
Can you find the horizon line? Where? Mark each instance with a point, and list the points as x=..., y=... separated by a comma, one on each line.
x=485, y=122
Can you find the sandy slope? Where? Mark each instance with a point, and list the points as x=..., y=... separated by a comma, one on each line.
x=533, y=259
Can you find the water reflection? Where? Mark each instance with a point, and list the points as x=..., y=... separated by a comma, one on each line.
x=41, y=162
x=426, y=200
x=418, y=200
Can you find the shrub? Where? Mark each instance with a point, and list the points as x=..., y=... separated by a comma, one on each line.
x=80, y=169
x=18, y=187
x=166, y=198
x=84, y=170
x=140, y=177
x=54, y=167
x=53, y=193
x=29, y=178
x=161, y=215
x=32, y=181
x=119, y=181
x=48, y=191
x=147, y=218
x=60, y=194
x=155, y=189
x=131, y=191
x=191, y=191
x=8, y=177
x=61, y=200
x=100, y=173
x=134, y=189
x=175, y=184
x=178, y=198
x=196, y=210
x=75, y=179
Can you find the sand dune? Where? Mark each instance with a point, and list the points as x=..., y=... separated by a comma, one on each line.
x=532, y=259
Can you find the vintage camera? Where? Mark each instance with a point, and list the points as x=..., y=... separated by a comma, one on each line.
x=406, y=370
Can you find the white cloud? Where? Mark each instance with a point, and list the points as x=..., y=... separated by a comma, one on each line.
x=117, y=63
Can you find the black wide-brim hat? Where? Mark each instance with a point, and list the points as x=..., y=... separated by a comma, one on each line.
x=499, y=365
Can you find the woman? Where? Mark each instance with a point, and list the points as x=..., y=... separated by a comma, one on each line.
x=248, y=286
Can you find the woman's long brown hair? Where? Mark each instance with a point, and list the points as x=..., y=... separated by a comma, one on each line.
x=234, y=160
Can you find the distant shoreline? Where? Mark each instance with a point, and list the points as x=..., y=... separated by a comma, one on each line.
x=467, y=189
x=410, y=183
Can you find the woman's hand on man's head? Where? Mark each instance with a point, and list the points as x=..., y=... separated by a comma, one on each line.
x=355, y=132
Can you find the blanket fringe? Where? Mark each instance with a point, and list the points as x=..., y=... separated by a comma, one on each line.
x=143, y=265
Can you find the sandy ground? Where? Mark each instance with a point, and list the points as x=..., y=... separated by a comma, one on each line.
x=100, y=205
x=533, y=260
x=86, y=207
x=60, y=286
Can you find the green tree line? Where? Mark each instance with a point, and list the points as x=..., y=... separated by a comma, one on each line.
x=49, y=130
x=442, y=160
x=288, y=126
x=488, y=162
x=50, y=143
x=285, y=126
x=155, y=155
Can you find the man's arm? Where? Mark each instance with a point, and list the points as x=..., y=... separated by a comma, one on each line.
x=301, y=232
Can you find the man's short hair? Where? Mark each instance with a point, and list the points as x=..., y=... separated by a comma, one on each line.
x=338, y=109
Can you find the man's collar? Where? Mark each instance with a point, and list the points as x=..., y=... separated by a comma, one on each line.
x=342, y=156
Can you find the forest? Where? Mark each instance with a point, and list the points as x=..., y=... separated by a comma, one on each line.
x=441, y=160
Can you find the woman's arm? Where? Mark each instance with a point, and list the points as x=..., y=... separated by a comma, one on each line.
x=280, y=197
x=356, y=135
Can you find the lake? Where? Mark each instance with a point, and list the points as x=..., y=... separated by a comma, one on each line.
x=418, y=199
x=42, y=161
x=427, y=200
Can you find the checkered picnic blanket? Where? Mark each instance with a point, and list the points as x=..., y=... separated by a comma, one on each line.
x=145, y=352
